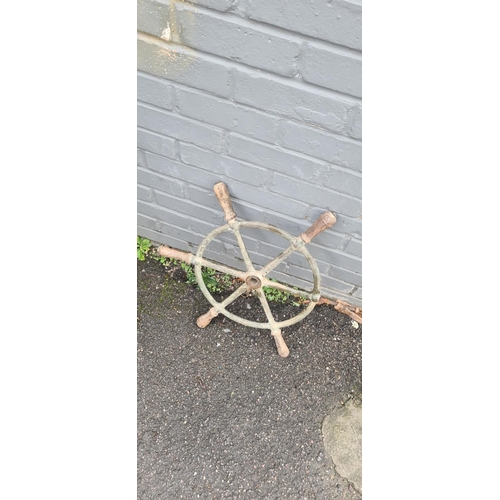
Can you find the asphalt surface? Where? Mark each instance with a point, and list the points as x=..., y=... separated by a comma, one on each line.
x=220, y=414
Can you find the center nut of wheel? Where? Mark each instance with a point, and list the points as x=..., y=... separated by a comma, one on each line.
x=253, y=282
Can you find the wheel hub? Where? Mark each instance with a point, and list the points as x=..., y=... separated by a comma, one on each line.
x=253, y=282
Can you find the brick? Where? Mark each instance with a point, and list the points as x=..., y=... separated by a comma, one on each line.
x=222, y=247
x=303, y=273
x=151, y=228
x=168, y=223
x=182, y=172
x=160, y=183
x=353, y=126
x=237, y=40
x=202, y=227
x=276, y=158
x=275, y=243
x=234, y=169
x=337, y=285
x=334, y=295
x=218, y=246
x=185, y=207
x=345, y=275
x=332, y=69
x=335, y=21
x=153, y=17
x=298, y=260
x=339, y=259
x=335, y=257
x=175, y=243
x=182, y=65
x=154, y=91
x=267, y=200
x=181, y=233
x=166, y=167
x=141, y=158
x=310, y=193
x=247, y=211
x=244, y=172
x=291, y=281
x=251, y=244
x=354, y=247
x=291, y=99
x=155, y=143
x=223, y=258
x=146, y=226
x=165, y=216
x=342, y=180
x=178, y=127
x=198, y=157
x=145, y=194
x=205, y=197
x=227, y=115
x=323, y=145
x=348, y=225
x=217, y=253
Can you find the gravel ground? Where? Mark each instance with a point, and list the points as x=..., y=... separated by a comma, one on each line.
x=220, y=414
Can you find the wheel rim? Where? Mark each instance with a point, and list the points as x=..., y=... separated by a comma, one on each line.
x=257, y=279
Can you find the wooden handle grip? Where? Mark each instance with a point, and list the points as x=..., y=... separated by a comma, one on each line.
x=175, y=254
x=283, y=350
x=222, y=194
x=204, y=319
x=325, y=221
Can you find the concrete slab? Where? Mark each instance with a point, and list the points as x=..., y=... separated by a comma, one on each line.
x=342, y=439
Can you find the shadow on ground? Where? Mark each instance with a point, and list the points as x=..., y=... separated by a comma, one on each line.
x=220, y=414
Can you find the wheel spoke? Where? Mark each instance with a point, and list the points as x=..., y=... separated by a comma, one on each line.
x=243, y=249
x=240, y=290
x=285, y=288
x=267, y=309
x=222, y=268
x=278, y=260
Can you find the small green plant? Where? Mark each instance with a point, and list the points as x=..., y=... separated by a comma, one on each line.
x=225, y=281
x=165, y=261
x=209, y=278
x=190, y=276
x=215, y=282
x=275, y=295
x=161, y=259
x=143, y=247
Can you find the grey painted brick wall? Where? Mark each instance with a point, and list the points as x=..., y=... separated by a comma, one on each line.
x=266, y=97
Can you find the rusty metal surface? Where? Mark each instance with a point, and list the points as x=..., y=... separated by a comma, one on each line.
x=296, y=244
x=254, y=280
